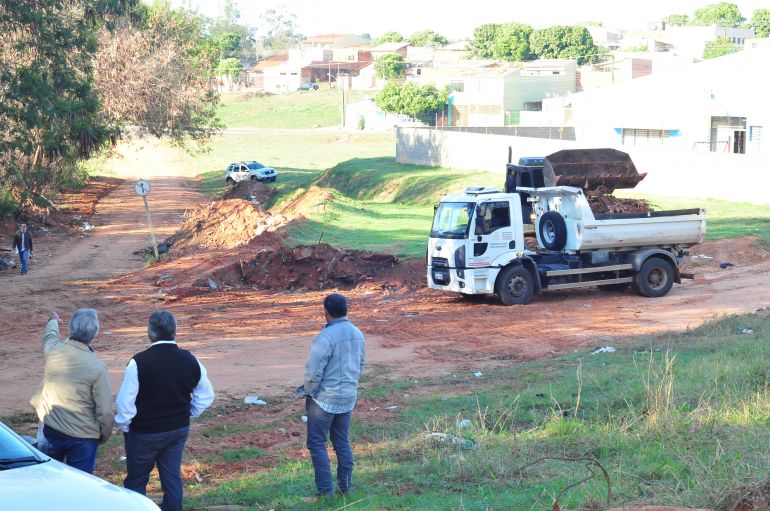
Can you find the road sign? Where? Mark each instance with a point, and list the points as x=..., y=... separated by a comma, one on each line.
x=142, y=188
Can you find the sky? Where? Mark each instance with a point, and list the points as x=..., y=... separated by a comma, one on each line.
x=456, y=19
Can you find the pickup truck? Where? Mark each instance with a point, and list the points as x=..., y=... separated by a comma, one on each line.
x=477, y=244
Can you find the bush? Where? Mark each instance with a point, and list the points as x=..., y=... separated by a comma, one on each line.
x=8, y=205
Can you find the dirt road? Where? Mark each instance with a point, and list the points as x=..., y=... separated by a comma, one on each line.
x=255, y=342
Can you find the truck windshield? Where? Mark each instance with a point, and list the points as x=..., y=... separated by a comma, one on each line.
x=452, y=220
x=253, y=165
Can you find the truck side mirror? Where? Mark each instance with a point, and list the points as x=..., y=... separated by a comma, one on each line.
x=481, y=227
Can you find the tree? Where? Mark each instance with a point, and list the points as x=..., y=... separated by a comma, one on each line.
x=484, y=38
x=278, y=28
x=512, y=42
x=390, y=37
x=560, y=42
x=159, y=78
x=760, y=20
x=427, y=38
x=722, y=46
x=227, y=29
x=229, y=44
x=677, y=19
x=388, y=98
x=724, y=14
x=390, y=67
x=49, y=108
x=411, y=99
x=229, y=68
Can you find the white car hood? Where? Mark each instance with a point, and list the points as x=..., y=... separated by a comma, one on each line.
x=53, y=485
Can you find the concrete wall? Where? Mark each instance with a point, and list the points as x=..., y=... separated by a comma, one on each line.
x=733, y=177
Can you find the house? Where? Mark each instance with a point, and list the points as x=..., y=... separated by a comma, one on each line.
x=390, y=49
x=686, y=41
x=255, y=75
x=605, y=37
x=718, y=105
x=487, y=93
x=331, y=41
x=451, y=53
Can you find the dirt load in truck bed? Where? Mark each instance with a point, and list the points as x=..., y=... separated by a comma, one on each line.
x=590, y=169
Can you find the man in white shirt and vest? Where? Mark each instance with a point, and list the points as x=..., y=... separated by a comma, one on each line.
x=162, y=388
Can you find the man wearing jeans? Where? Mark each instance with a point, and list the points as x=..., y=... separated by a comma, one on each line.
x=74, y=400
x=162, y=388
x=331, y=385
x=22, y=244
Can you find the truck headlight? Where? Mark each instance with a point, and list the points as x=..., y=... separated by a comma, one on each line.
x=460, y=257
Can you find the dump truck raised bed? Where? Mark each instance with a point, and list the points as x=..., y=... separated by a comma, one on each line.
x=477, y=244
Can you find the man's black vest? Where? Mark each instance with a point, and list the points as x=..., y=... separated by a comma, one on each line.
x=167, y=377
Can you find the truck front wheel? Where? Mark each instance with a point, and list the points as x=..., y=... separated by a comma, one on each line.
x=515, y=286
x=655, y=278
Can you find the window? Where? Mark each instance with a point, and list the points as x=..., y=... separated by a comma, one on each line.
x=495, y=215
x=637, y=136
x=457, y=86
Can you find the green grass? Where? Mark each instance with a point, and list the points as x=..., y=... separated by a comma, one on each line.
x=724, y=219
x=298, y=156
x=321, y=108
x=678, y=419
x=380, y=205
x=242, y=454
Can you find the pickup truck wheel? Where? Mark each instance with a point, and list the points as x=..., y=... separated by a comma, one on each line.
x=515, y=286
x=655, y=278
x=553, y=230
x=230, y=181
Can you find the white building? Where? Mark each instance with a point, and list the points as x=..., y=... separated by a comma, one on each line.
x=718, y=105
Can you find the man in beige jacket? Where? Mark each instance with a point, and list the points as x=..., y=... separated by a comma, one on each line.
x=74, y=400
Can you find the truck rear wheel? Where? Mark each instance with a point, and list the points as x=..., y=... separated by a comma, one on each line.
x=515, y=286
x=655, y=277
x=553, y=231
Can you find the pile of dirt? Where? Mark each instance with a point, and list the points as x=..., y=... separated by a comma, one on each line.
x=313, y=267
x=222, y=224
x=251, y=190
x=602, y=201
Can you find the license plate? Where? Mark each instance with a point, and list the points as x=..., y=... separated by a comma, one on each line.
x=438, y=276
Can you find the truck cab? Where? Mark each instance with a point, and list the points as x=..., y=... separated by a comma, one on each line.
x=473, y=235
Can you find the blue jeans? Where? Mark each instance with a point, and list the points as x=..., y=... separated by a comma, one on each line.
x=23, y=258
x=320, y=426
x=78, y=453
x=144, y=451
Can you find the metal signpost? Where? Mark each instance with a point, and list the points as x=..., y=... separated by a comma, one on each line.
x=142, y=188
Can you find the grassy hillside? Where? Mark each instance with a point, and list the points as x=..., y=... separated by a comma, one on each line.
x=677, y=419
x=306, y=109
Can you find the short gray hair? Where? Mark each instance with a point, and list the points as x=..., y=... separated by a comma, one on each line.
x=161, y=326
x=84, y=325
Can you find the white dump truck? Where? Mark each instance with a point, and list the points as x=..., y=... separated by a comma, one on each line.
x=477, y=243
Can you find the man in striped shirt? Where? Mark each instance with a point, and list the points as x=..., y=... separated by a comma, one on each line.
x=333, y=368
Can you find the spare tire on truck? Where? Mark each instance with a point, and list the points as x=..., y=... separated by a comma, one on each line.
x=552, y=230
